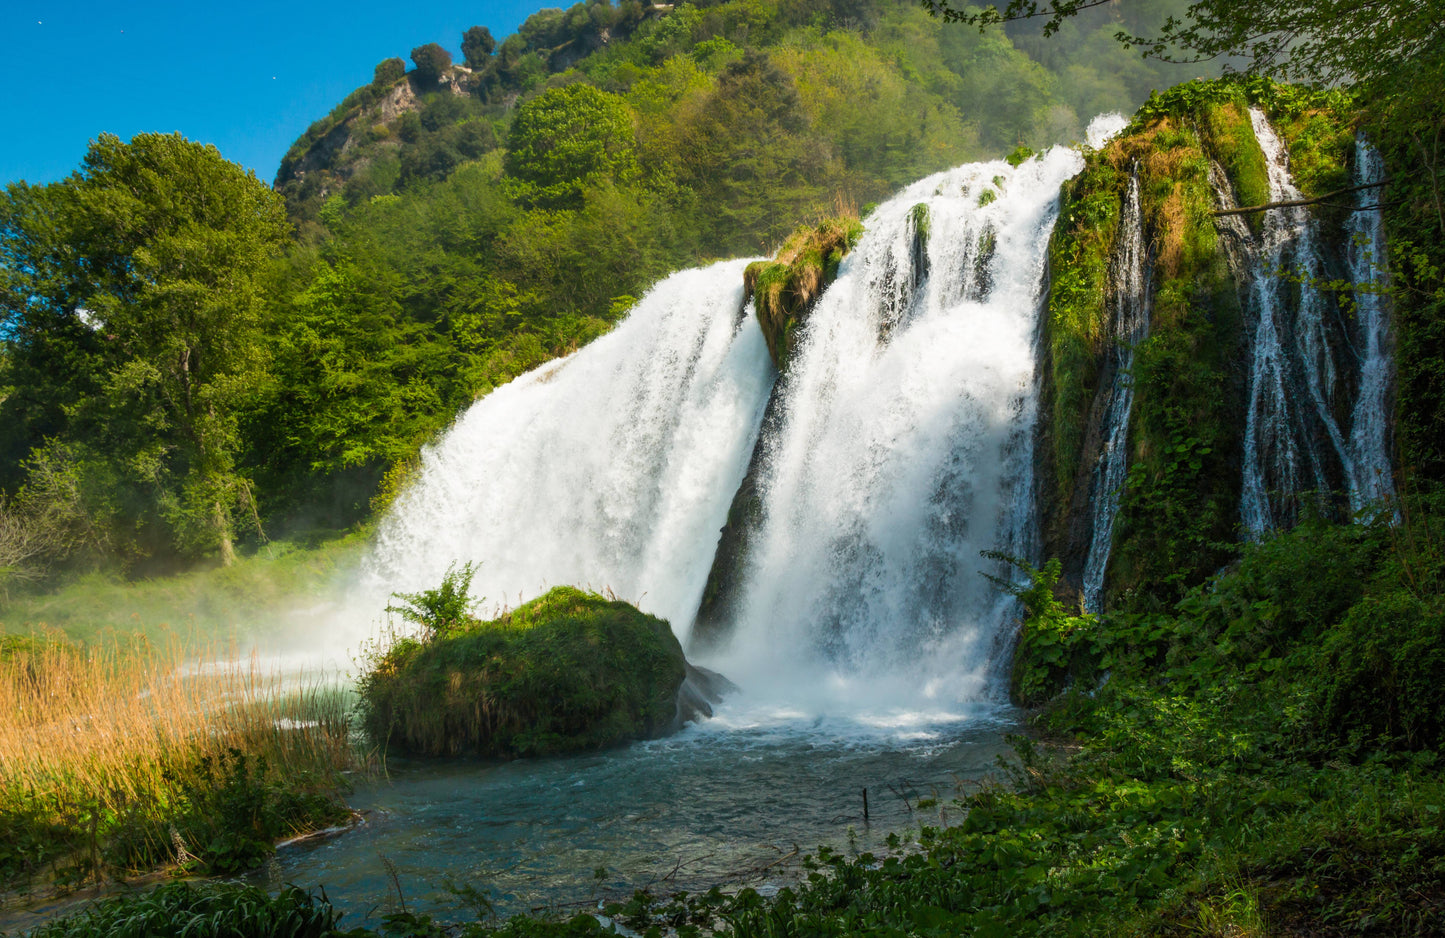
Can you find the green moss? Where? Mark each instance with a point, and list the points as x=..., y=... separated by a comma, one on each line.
x=785, y=288
x=986, y=197
x=1079, y=262
x=1180, y=501
x=921, y=221
x=1230, y=136
x=567, y=671
x=1020, y=154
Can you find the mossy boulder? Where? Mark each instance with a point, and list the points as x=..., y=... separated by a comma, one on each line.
x=568, y=671
x=785, y=288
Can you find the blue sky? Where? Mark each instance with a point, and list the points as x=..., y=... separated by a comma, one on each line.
x=247, y=77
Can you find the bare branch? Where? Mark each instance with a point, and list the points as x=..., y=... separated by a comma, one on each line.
x=1292, y=203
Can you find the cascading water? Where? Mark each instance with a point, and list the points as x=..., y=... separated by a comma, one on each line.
x=1292, y=440
x=901, y=446
x=905, y=447
x=1129, y=288
x=1371, y=480
x=611, y=468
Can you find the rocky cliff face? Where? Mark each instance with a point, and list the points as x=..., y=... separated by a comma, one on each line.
x=1240, y=328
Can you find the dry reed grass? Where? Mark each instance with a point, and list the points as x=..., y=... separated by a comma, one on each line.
x=94, y=734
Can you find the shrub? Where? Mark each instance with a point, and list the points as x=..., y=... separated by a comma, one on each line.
x=388, y=72
x=179, y=910
x=477, y=46
x=163, y=763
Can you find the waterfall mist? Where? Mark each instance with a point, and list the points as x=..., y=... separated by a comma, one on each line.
x=610, y=469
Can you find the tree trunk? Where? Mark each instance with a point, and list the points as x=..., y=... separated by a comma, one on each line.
x=223, y=530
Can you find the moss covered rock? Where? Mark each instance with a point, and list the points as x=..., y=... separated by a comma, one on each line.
x=567, y=671
x=785, y=288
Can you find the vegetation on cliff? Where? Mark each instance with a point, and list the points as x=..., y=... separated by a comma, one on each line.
x=564, y=672
x=784, y=289
x=1179, y=509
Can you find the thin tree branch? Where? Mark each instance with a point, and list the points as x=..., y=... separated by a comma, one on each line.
x=1297, y=202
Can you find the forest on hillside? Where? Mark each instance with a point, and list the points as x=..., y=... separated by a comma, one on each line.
x=194, y=361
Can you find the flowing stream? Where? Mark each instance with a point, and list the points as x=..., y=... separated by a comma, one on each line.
x=1371, y=480
x=1293, y=443
x=1129, y=290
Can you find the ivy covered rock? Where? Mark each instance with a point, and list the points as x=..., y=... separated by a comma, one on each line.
x=568, y=671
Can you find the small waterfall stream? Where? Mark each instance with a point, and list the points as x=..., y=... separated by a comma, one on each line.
x=1292, y=443
x=1129, y=290
x=1371, y=479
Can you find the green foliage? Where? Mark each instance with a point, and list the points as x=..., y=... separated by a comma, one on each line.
x=1049, y=640
x=231, y=811
x=183, y=909
x=1231, y=138
x=441, y=610
x=388, y=72
x=432, y=61
x=477, y=46
x=564, y=672
x=784, y=289
x=1019, y=155
x=1079, y=253
x=567, y=140
x=1179, y=506
x=165, y=240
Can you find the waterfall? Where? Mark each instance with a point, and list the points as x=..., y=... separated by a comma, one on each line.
x=1292, y=441
x=611, y=468
x=1129, y=291
x=903, y=448
x=900, y=444
x=1370, y=479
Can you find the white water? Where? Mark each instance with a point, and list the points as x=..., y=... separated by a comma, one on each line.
x=1290, y=433
x=612, y=468
x=1371, y=480
x=899, y=459
x=1129, y=290
x=905, y=449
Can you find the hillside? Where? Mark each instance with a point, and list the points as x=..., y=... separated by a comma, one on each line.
x=452, y=227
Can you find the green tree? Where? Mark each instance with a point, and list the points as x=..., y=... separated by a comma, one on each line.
x=51, y=352
x=155, y=288
x=477, y=46
x=566, y=139
x=1320, y=40
x=388, y=72
x=431, y=62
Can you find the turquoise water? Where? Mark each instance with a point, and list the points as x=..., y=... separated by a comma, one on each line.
x=726, y=802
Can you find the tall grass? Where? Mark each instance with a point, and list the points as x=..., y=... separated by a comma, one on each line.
x=135, y=754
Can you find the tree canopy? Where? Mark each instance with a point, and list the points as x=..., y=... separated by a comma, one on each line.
x=567, y=138
x=431, y=61
x=477, y=46
x=1316, y=40
x=134, y=283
